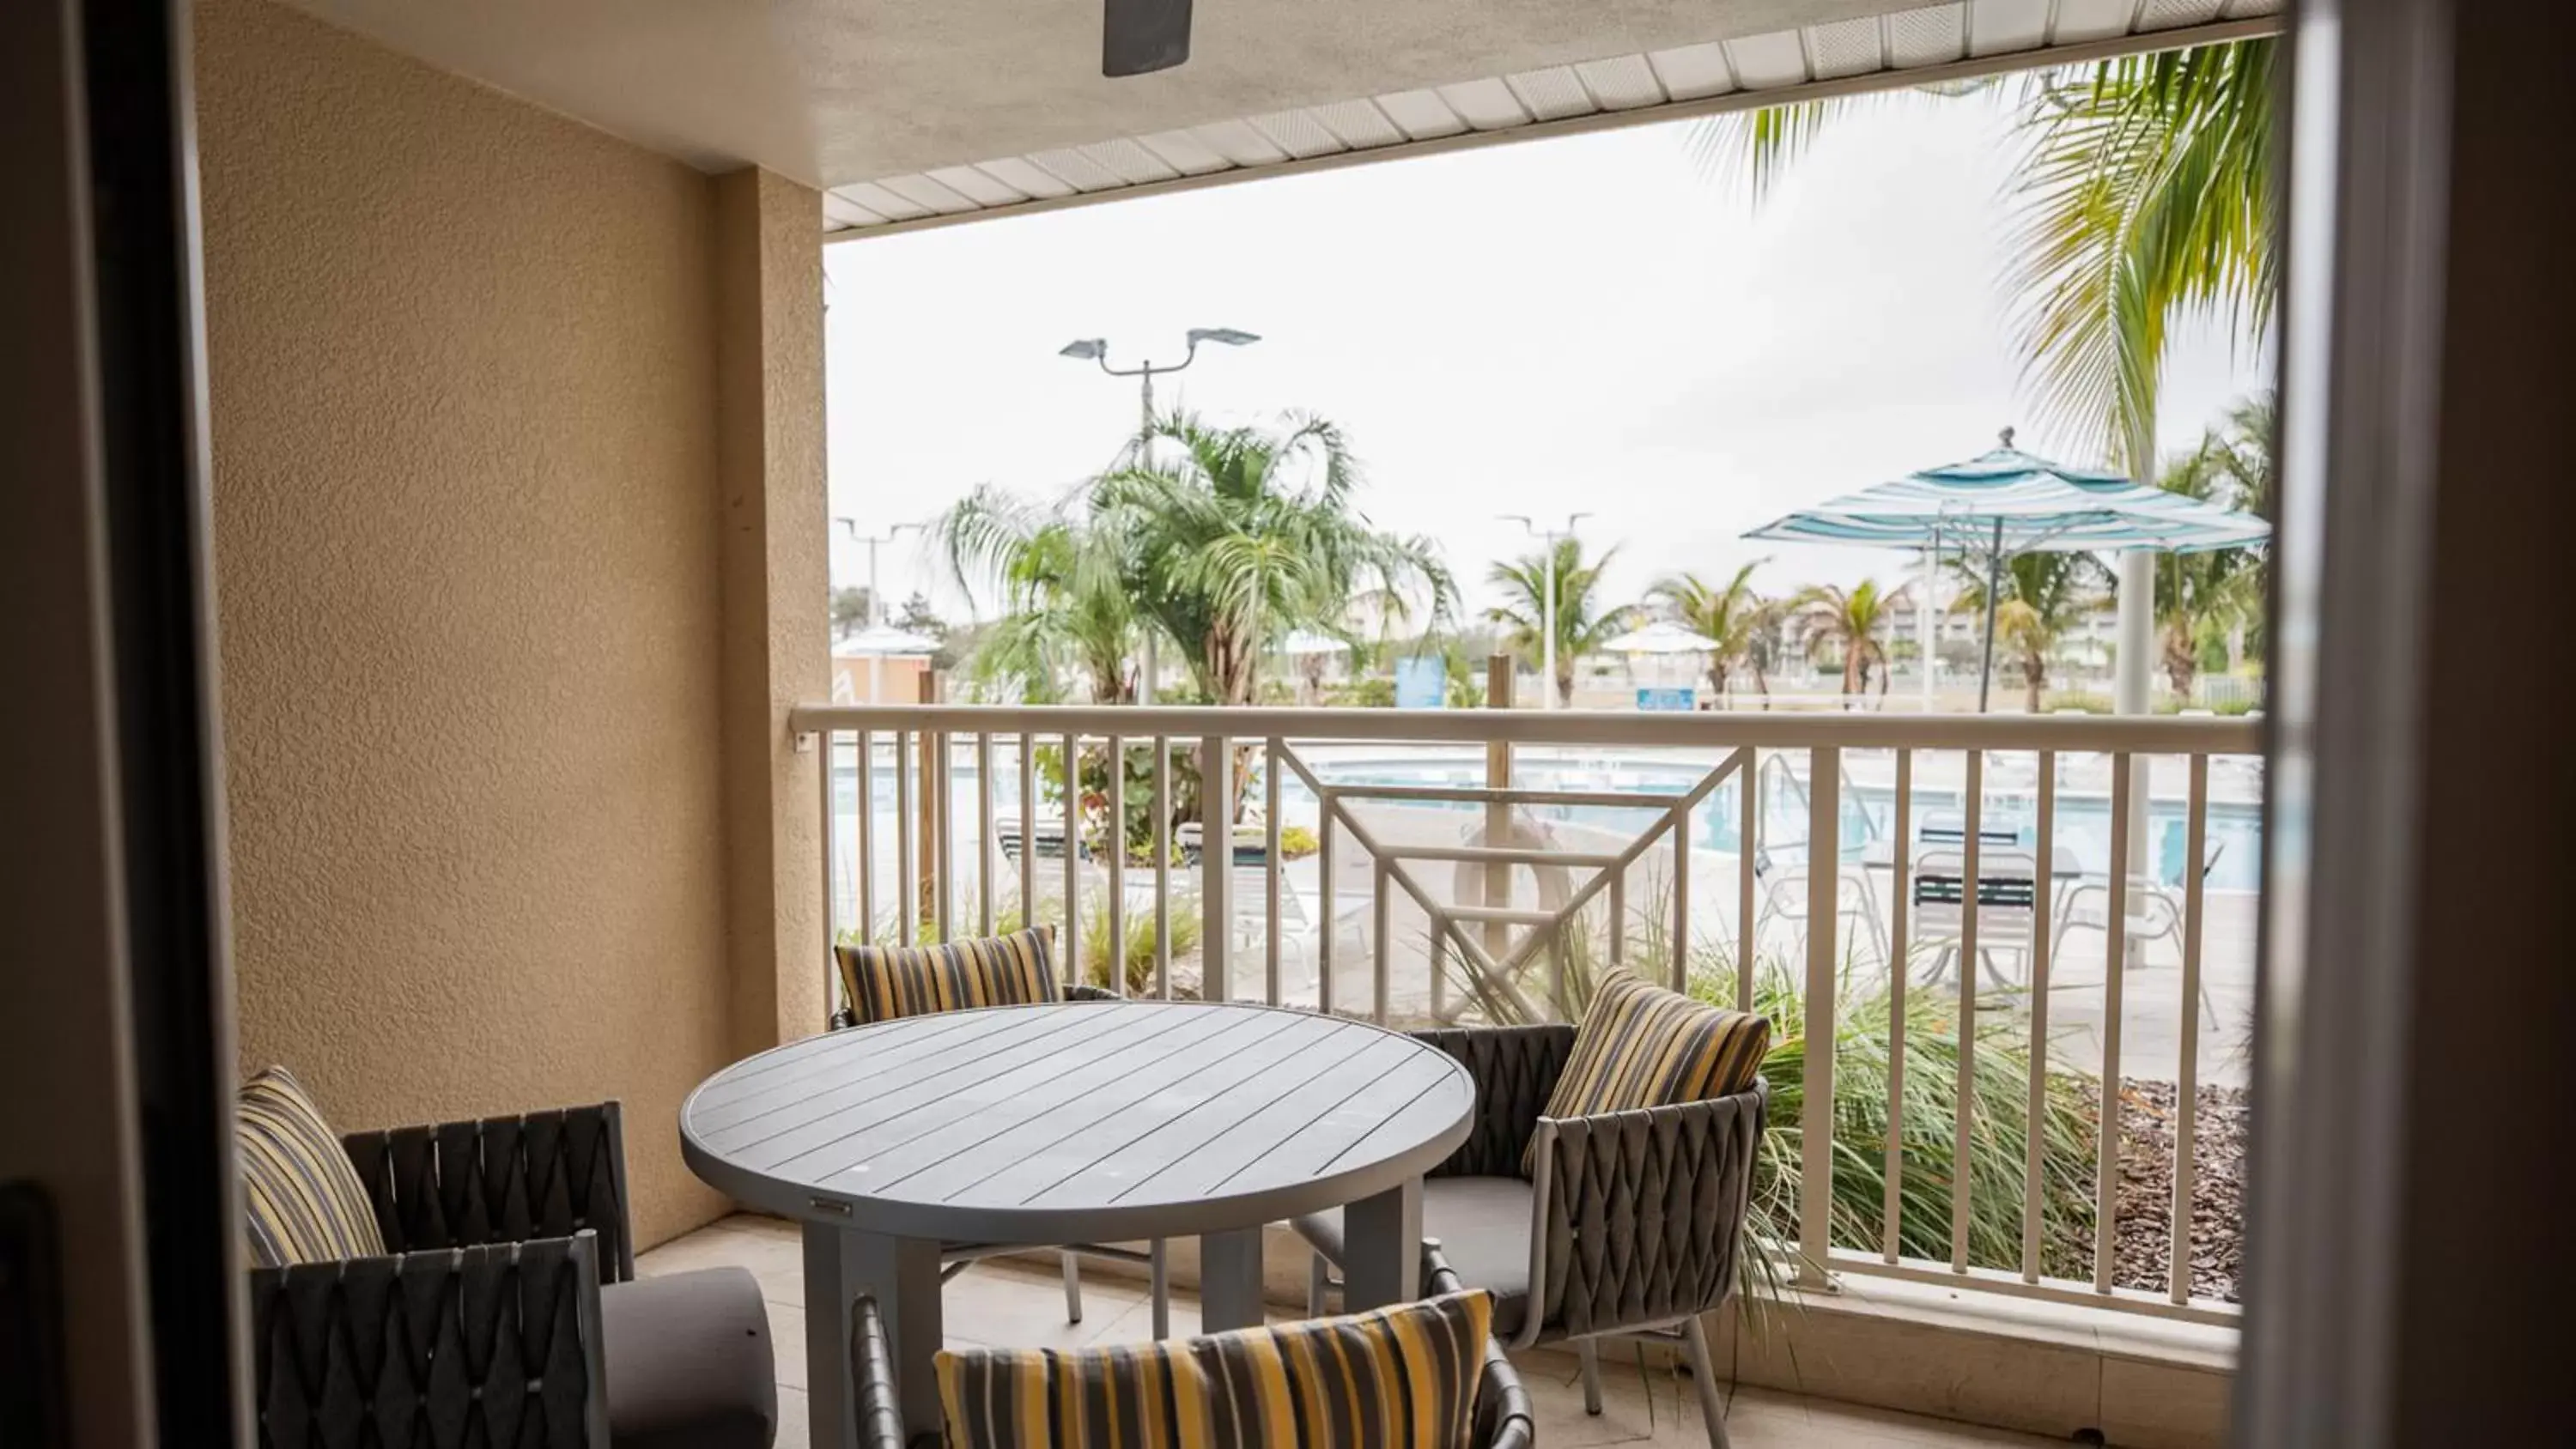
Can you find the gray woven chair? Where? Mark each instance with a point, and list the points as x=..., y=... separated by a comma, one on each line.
x=507, y=1310
x=956, y=1258
x=1503, y=1418
x=1627, y=1229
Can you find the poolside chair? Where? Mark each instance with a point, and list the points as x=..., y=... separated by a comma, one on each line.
x=2152, y=914
x=474, y=1282
x=2007, y=907
x=1608, y=1225
x=1784, y=898
x=880, y=982
x=1495, y=1407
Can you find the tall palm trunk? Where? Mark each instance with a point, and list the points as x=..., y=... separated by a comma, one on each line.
x=2182, y=660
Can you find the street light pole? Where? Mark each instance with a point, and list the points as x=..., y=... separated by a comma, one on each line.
x=876, y=600
x=1547, y=598
x=1096, y=349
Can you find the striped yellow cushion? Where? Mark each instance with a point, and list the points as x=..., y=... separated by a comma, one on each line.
x=1643, y=1046
x=885, y=982
x=1394, y=1378
x=302, y=1201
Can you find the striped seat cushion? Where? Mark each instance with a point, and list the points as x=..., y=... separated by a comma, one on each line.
x=1642, y=1046
x=885, y=982
x=302, y=1201
x=1402, y=1376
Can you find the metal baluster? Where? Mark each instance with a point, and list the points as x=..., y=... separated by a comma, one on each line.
x=1889, y=1237
x=943, y=842
x=1072, y=858
x=1383, y=929
x=1117, y=963
x=1972, y=874
x=2044, y=906
x=2187, y=1090
x=1163, y=866
x=907, y=889
x=1618, y=892
x=984, y=832
x=1748, y=782
x=868, y=835
x=1816, y=1115
x=1028, y=831
x=1681, y=824
x=1216, y=867
x=831, y=872
x=1327, y=929
x=2115, y=933
x=1270, y=859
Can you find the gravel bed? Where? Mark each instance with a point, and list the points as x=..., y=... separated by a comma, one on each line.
x=2217, y=1237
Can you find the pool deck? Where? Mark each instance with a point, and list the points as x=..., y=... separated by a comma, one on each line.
x=2151, y=1012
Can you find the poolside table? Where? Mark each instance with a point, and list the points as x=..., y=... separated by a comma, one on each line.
x=1079, y=1122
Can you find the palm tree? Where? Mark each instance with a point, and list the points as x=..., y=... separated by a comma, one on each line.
x=1849, y=621
x=1731, y=615
x=2143, y=194
x=2043, y=596
x=1066, y=609
x=1582, y=625
x=2205, y=598
x=1229, y=538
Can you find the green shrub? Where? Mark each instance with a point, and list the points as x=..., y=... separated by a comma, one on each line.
x=1864, y=1059
x=1296, y=842
x=1364, y=694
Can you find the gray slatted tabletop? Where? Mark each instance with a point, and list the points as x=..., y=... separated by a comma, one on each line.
x=1085, y=1122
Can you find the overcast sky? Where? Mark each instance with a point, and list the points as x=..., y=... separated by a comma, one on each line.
x=1580, y=324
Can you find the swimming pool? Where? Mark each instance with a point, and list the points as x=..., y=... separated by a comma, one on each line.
x=1868, y=807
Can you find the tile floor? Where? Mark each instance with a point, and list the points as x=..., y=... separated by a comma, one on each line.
x=999, y=1303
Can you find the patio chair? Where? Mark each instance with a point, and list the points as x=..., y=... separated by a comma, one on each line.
x=1500, y=1416
x=2007, y=907
x=1003, y=977
x=492, y=1296
x=1626, y=1226
x=2152, y=914
x=1784, y=897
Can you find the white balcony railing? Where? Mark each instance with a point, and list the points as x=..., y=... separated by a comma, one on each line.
x=1476, y=865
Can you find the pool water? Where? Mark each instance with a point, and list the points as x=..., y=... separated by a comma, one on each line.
x=1868, y=810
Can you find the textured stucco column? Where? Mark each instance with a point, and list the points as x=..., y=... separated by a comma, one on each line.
x=769, y=410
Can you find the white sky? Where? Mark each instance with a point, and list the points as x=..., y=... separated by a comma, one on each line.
x=1579, y=324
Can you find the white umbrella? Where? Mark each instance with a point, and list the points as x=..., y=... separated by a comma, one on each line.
x=1310, y=641
x=1663, y=636
x=885, y=641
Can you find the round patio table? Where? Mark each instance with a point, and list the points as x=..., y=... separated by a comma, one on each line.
x=1075, y=1122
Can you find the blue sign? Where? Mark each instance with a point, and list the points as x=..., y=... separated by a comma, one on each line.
x=1421, y=682
x=1684, y=699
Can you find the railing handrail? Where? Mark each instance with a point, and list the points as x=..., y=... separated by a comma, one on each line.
x=1717, y=730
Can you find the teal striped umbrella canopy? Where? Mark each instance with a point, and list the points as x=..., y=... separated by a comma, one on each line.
x=2024, y=504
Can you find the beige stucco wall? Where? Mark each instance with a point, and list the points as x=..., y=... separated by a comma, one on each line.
x=769, y=389
x=464, y=373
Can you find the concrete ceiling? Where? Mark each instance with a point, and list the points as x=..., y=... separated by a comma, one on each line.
x=834, y=92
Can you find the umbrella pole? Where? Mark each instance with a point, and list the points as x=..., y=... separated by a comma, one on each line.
x=1994, y=581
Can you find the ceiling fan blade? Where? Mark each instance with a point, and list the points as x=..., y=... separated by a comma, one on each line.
x=1138, y=37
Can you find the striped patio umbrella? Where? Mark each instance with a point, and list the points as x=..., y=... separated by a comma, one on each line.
x=2004, y=502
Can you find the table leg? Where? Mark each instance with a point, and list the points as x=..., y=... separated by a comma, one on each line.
x=1382, y=1241
x=903, y=1276
x=1230, y=1280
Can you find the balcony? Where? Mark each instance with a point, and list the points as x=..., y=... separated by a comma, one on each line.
x=1419, y=868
